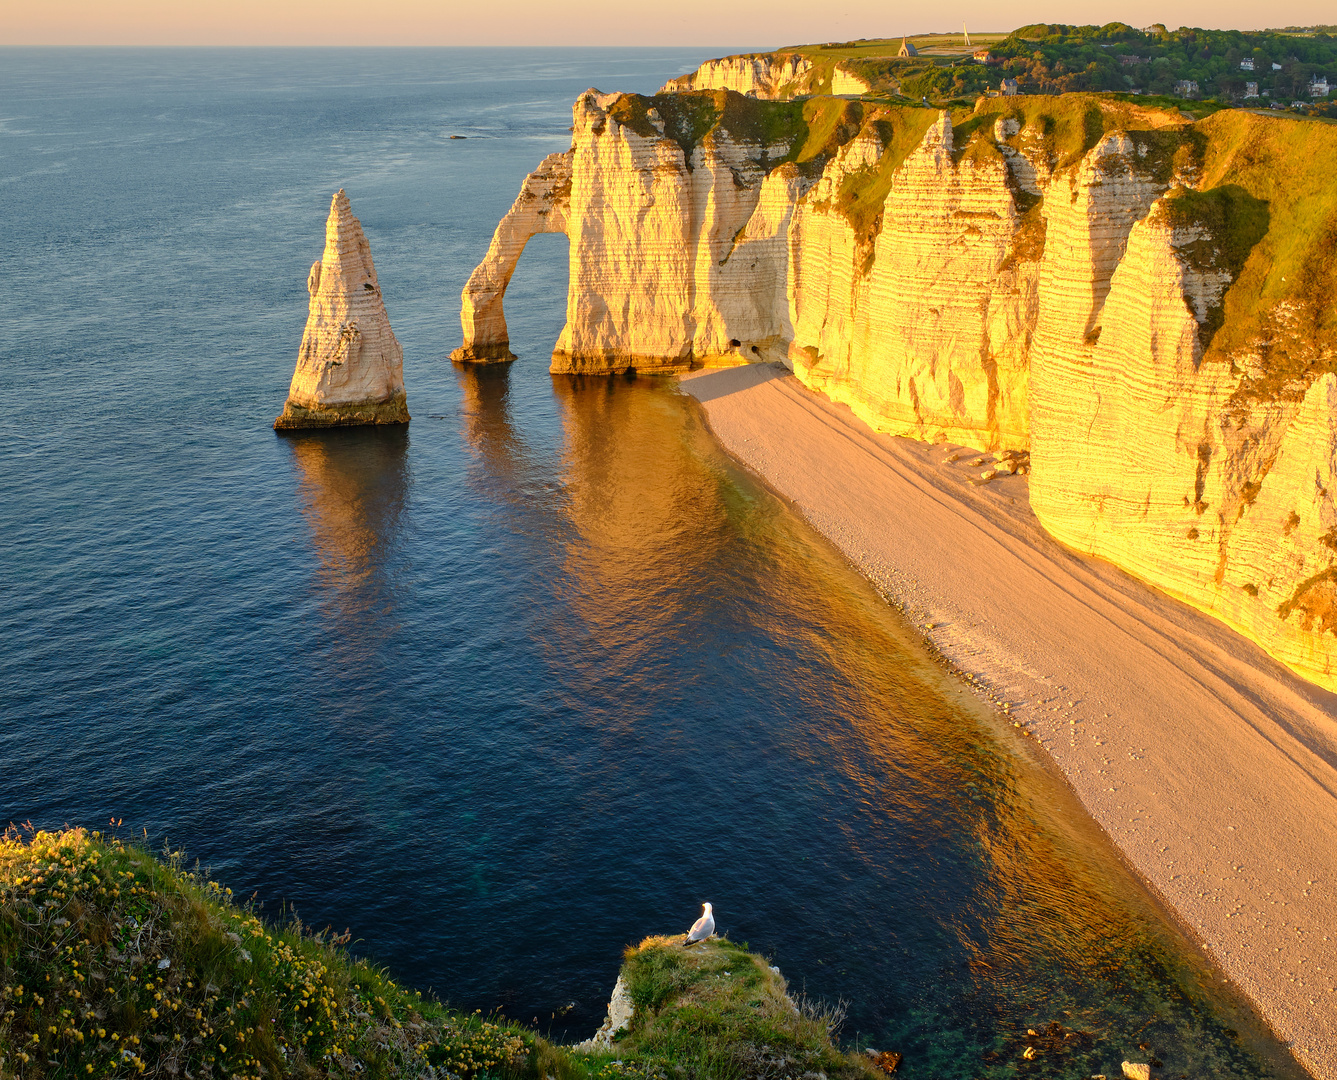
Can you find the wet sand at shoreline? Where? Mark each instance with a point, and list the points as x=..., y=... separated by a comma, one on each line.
x=1212, y=767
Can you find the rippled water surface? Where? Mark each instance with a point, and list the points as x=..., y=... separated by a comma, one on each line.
x=527, y=681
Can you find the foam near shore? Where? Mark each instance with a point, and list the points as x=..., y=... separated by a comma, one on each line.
x=1211, y=766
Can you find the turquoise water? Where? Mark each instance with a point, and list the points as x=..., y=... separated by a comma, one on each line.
x=527, y=681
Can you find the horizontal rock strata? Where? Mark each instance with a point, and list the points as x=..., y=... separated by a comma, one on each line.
x=767, y=75
x=350, y=369
x=1092, y=283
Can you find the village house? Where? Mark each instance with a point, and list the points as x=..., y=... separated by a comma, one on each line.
x=1186, y=88
x=1246, y=64
x=982, y=56
x=1318, y=86
x=1008, y=87
x=1250, y=89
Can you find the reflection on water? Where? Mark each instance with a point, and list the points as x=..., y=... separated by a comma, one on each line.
x=353, y=494
x=484, y=408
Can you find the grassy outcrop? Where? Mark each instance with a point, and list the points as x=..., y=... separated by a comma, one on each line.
x=714, y=1009
x=114, y=963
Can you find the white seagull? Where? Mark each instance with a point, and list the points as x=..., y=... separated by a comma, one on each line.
x=702, y=928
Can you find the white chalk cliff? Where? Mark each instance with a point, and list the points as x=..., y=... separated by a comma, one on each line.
x=972, y=284
x=767, y=75
x=350, y=369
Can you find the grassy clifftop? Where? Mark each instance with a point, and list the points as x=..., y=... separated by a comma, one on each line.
x=116, y=964
x=113, y=963
x=724, y=1009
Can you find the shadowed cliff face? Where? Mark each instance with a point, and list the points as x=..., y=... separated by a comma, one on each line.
x=1138, y=301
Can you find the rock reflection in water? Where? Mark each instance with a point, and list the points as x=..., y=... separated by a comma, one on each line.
x=485, y=391
x=353, y=492
x=648, y=527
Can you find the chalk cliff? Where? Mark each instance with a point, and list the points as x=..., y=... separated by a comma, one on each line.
x=350, y=369
x=764, y=75
x=771, y=76
x=1132, y=298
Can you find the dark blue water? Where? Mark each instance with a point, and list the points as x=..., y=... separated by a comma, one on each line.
x=527, y=681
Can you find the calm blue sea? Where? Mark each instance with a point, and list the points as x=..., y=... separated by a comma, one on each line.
x=519, y=685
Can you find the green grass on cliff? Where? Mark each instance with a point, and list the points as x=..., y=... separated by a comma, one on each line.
x=1069, y=126
x=1285, y=169
x=809, y=130
x=721, y=1007
x=116, y=964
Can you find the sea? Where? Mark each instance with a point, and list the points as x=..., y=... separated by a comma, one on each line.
x=517, y=685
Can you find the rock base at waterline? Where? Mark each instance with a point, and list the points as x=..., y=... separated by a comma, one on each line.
x=483, y=354
x=297, y=417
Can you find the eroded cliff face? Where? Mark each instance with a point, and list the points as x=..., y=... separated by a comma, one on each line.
x=769, y=75
x=1076, y=280
x=350, y=369
x=1170, y=462
x=922, y=328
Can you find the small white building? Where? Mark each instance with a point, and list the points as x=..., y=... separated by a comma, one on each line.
x=1246, y=64
x=1276, y=66
x=1250, y=89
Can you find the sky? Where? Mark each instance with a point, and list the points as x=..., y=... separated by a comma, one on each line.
x=727, y=23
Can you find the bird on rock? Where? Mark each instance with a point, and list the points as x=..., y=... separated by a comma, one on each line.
x=702, y=928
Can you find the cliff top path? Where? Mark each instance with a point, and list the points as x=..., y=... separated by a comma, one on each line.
x=1212, y=767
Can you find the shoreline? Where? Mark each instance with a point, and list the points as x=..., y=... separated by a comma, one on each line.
x=1211, y=767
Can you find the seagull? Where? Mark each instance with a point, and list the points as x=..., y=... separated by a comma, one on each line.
x=702, y=928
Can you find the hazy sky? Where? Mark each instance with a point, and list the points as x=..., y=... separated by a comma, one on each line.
x=706, y=23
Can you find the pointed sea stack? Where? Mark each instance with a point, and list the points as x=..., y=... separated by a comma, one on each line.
x=350, y=369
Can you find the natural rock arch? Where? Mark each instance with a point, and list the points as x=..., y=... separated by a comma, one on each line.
x=542, y=206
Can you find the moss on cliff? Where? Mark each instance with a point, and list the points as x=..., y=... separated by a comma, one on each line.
x=1226, y=223
x=863, y=192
